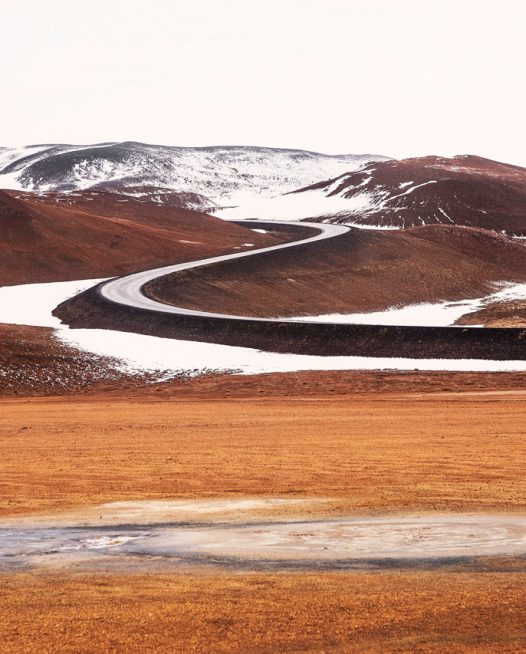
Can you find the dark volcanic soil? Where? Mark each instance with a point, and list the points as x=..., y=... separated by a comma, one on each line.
x=33, y=362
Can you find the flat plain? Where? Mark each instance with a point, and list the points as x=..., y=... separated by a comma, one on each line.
x=389, y=451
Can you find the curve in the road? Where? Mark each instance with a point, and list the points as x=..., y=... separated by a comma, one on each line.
x=128, y=290
x=122, y=302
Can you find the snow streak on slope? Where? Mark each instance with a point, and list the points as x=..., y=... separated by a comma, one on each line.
x=10, y=155
x=225, y=175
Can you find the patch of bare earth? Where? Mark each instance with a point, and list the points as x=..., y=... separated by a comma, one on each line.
x=34, y=362
x=402, y=612
x=56, y=238
x=498, y=314
x=385, y=452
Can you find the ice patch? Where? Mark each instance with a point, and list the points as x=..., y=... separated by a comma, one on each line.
x=98, y=543
x=371, y=540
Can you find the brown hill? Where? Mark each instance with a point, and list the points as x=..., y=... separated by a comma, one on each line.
x=463, y=190
x=363, y=270
x=55, y=237
x=157, y=194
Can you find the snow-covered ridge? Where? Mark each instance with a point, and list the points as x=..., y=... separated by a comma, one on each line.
x=226, y=175
x=349, y=198
x=398, y=194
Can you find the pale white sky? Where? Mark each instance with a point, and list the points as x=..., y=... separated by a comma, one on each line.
x=394, y=77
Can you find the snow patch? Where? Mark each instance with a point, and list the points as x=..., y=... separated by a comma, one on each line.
x=445, y=215
x=413, y=188
x=437, y=314
x=310, y=204
x=32, y=304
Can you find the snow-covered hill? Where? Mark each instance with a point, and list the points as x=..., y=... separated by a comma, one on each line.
x=463, y=190
x=219, y=175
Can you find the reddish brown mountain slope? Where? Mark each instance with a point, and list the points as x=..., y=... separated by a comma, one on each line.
x=464, y=190
x=53, y=237
x=360, y=271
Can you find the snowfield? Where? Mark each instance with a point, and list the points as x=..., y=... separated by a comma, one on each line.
x=32, y=304
x=305, y=205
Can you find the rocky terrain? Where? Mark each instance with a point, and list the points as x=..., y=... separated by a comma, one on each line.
x=33, y=362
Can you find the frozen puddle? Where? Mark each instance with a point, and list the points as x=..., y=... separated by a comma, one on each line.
x=353, y=541
x=435, y=537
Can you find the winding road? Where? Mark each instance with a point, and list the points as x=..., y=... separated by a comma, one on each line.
x=122, y=302
x=128, y=290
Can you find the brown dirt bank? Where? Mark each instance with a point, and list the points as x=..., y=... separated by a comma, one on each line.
x=360, y=271
x=498, y=314
x=46, y=238
x=34, y=363
x=327, y=383
x=372, y=454
x=420, y=612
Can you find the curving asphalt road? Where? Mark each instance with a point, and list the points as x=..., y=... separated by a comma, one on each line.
x=127, y=290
